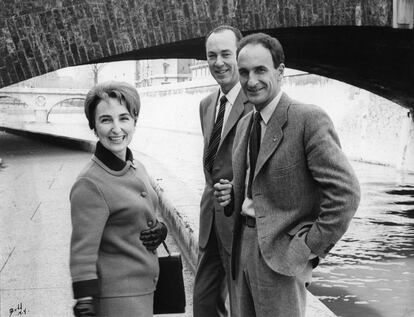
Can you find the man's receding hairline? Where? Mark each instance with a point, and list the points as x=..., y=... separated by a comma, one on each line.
x=254, y=44
x=221, y=31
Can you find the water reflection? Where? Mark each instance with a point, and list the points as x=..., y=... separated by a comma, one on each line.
x=371, y=270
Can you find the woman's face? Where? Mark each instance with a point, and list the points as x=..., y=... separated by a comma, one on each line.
x=114, y=126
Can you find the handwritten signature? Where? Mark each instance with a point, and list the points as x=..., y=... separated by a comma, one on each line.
x=18, y=310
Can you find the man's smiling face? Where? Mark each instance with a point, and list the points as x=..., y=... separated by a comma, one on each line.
x=221, y=57
x=259, y=78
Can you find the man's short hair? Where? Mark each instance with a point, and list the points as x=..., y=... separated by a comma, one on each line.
x=222, y=28
x=271, y=43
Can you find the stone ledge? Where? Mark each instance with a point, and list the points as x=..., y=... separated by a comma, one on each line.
x=74, y=143
x=180, y=229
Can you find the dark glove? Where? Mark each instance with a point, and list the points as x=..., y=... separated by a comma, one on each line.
x=154, y=236
x=84, y=308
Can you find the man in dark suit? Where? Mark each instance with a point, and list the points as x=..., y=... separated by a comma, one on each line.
x=294, y=191
x=219, y=114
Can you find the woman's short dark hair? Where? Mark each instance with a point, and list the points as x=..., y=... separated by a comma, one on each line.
x=125, y=93
x=271, y=43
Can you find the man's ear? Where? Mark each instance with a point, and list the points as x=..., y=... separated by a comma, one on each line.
x=281, y=70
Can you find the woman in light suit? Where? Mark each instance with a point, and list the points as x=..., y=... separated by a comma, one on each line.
x=115, y=232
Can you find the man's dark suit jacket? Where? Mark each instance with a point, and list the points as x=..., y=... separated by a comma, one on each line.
x=304, y=191
x=222, y=167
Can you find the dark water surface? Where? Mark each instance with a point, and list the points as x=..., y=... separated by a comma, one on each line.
x=370, y=272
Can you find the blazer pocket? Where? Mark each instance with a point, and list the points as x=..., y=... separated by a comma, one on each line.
x=305, y=224
x=285, y=170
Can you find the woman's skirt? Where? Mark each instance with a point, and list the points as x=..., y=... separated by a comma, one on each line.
x=126, y=306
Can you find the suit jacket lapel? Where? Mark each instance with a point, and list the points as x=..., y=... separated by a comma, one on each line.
x=234, y=115
x=274, y=132
x=210, y=118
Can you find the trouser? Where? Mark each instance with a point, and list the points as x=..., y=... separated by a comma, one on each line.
x=263, y=292
x=213, y=281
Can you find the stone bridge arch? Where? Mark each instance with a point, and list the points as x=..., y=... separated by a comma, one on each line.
x=28, y=100
x=49, y=111
x=352, y=41
x=2, y=95
x=43, y=98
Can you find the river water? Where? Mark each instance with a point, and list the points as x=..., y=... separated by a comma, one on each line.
x=370, y=272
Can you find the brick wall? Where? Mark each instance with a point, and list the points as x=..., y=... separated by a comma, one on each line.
x=39, y=36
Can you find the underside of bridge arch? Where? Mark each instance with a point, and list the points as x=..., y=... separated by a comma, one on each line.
x=377, y=59
x=348, y=40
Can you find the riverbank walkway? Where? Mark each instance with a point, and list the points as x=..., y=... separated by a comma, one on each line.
x=35, y=179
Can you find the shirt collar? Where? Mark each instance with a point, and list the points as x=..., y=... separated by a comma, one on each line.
x=112, y=161
x=267, y=111
x=232, y=94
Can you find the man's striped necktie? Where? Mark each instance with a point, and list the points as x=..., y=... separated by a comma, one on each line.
x=215, y=136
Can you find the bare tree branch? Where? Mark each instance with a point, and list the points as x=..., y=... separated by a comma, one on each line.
x=96, y=69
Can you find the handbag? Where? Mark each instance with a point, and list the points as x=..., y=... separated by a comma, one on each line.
x=169, y=296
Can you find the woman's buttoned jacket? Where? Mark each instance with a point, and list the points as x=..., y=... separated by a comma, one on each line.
x=109, y=209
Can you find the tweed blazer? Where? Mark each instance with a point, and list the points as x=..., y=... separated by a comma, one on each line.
x=222, y=166
x=304, y=190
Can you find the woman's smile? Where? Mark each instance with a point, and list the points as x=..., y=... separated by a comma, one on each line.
x=114, y=126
